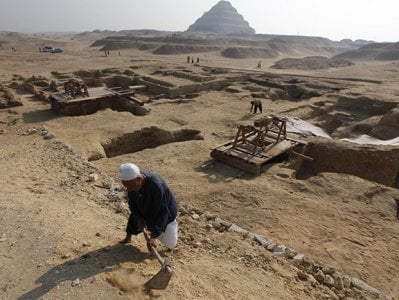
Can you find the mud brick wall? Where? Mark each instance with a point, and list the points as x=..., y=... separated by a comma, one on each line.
x=375, y=163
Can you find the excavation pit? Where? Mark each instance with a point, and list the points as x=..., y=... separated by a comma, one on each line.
x=150, y=137
x=95, y=99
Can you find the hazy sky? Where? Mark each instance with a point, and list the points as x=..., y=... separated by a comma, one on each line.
x=334, y=19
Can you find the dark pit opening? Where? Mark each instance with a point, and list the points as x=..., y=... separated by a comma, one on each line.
x=150, y=137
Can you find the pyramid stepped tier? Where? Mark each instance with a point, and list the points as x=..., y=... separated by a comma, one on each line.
x=223, y=18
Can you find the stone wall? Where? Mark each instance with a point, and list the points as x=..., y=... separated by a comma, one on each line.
x=91, y=106
x=159, y=88
x=193, y=77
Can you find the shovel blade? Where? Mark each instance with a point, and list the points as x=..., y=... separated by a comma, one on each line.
x=160, y=280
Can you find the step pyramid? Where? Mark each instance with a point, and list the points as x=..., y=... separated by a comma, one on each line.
x=222, y=19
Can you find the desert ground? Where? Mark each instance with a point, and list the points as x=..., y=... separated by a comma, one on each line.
x=63, y=209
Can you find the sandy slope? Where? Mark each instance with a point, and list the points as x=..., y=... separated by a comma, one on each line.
x=57, y=226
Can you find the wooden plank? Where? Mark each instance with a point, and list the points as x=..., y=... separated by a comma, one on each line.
x=297, y=141
x=249, y=148
x=239, y=154
x=236, y=163
x=301, y=155
x=136, y=100
x=248, y=158
x=137, y=87
x=279, y=148
x=245, y=156
x=245, y=153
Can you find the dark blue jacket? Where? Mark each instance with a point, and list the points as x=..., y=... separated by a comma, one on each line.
x=154, y=203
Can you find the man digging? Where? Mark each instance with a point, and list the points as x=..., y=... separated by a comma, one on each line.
x=152, y=206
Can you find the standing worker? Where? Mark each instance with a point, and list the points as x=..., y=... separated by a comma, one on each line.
x=152, y=206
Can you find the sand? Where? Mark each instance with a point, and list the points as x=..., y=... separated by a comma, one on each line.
x=58, y=225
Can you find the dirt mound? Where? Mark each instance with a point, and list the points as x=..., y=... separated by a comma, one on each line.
x=388, y=127
x=119, y=45
x=148, y=46
x=180, y=49
x=129, y=45
x=95, y=34
x=8, y=98
x=243, y=52
x=300, y=46
x=311, y=63
x=374, y=51
x=263, y=46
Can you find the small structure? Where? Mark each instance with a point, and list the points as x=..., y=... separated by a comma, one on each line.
x=76, y=100
x=255, y=145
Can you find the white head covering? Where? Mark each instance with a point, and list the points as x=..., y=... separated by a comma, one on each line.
x=128, y=171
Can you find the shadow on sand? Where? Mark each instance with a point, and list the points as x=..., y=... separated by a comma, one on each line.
x=216, y=171
x=85, y=266
x=38, y=116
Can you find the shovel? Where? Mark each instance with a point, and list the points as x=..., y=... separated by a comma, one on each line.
x=160, y=280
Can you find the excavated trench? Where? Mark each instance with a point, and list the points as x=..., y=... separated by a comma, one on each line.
x=375, y=163
x=149, y=137
x=345, y=117
x=342, y=117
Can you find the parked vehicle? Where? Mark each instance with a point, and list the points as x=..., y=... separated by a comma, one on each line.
x=46, y=49
x=56, y=50
x=50, y=49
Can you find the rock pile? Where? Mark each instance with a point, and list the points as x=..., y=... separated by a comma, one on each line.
x=8, y=98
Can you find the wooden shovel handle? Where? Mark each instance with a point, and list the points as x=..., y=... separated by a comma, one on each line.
x=153, y=250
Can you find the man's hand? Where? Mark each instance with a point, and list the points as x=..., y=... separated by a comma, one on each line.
x=127, y=239
x=141, y=224
x=151, y=243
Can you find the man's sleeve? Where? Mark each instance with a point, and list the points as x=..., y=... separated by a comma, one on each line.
x=132, y=224
x=160, y=211
x=160, y=222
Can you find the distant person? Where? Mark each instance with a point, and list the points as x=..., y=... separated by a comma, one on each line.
x=198, y=60
x=259, y=65
x=152, y=206
x=188, y=59
x=192, y=60
x=255, y=105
